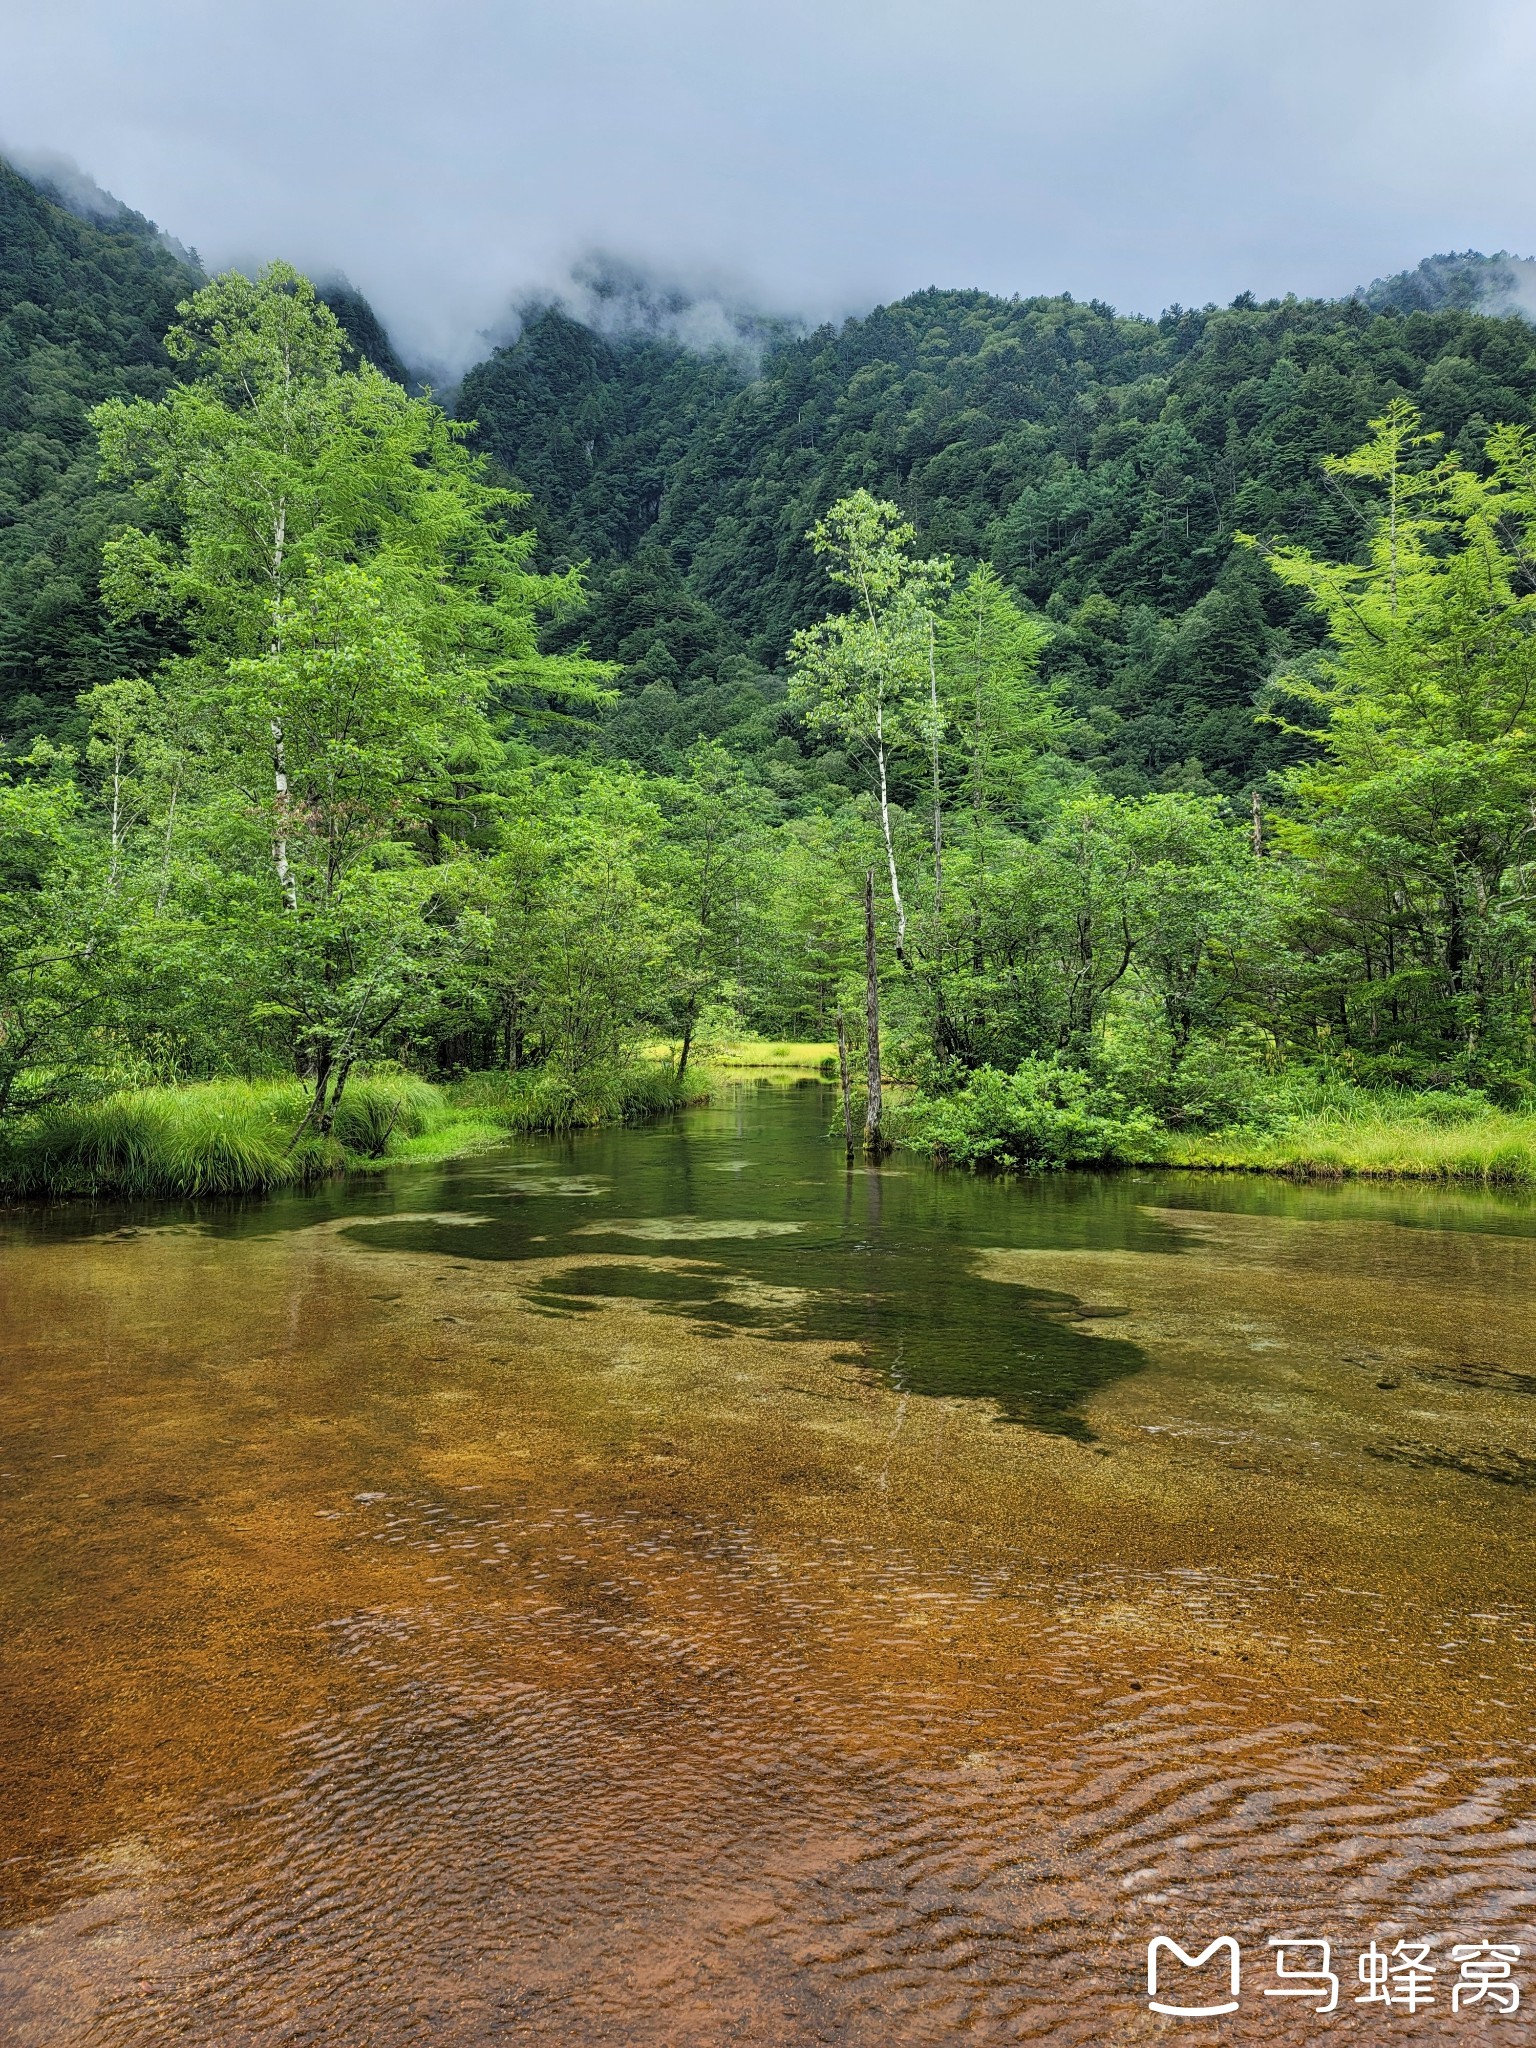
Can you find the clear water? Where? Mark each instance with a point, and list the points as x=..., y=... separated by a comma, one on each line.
x=662, y=1588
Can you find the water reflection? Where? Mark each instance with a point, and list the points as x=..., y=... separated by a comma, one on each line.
x=879, y=1261
x=543, y=1599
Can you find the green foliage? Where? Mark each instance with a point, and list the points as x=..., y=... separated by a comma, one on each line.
x=355, y=610
x=212, y=1138
x=867, y=675
x=378, y=1108
x=1044, y=1115
x=84, y=305
x=360, y=802
x=1337, y=1131
x=1101, y=464
x=56, y=940
x=999, y=722
x=547, y=1099
x=1413, y=930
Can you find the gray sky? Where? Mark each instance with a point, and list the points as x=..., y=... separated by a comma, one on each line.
x=811, y=155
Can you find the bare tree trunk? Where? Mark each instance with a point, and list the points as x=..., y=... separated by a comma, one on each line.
x=938, y=808
x=280, y=846
x=874, y=1109
x=165, y=850
x=687, y=1047
x=114, y=872
x=322, y=1081
x=1258, y=827
x=890, y=845
x=940, y=1025
x=842, y=1075
x=285, y=879
x=329, y=1116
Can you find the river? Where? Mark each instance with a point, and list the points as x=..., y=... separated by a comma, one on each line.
x=660, y=1588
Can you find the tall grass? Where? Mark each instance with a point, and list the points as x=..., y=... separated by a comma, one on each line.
x=800, y=1055
x=245, y=1137
x=1347, y=1132
x=540, y=1099
x=209, y=1138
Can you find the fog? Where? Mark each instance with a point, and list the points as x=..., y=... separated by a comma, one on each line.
x=807, y=159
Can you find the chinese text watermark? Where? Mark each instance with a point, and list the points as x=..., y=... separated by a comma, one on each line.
x=1407, y=1977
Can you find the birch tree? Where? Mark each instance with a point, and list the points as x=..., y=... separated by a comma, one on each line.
x=355, y=602
x=867, y=674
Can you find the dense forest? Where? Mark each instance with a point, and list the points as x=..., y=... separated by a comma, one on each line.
x=1125, y=717
x=1102, y=465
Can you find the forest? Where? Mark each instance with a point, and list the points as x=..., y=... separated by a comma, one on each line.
x=1113, y=733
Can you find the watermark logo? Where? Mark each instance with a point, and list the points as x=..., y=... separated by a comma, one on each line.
x=1222, y=1944
x=1402, y=1978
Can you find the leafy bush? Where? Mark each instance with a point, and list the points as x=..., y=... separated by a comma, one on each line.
x=1043, y=1116
x=550, y=1099
x=1216, y=1083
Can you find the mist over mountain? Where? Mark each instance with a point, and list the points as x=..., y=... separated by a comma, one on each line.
x=1468, y=283
x=1103, y=463
x=680, y=442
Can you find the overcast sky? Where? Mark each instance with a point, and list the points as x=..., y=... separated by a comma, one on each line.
x=812, y=155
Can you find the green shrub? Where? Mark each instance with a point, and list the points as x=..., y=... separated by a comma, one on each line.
x=1216, y=1083
x=549, y=1099
x=378, y=1107
x=1043, y=1116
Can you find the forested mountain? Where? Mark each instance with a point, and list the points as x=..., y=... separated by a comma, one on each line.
x=84, y=304
x=1468, y=282
x=1104, y=465
x=327, y=776
x=87, y=290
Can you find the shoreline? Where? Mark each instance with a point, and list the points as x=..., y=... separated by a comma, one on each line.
x=237, y=1138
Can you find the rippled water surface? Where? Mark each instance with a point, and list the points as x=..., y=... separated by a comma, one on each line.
x=664, y=1589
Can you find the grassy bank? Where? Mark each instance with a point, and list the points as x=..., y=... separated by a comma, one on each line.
x=1374, y=1138
x=247, y=1137
x=535, y=1100
x=798, y=1055
x=1047, y=1115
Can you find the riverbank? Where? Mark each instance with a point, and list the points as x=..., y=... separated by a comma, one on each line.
x=1046, y=1116
x=760, y=1055
x=248, y=1137
x=1372, y=1142
x=1372, y=1137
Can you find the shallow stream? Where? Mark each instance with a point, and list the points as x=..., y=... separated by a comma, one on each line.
x=663, y=1589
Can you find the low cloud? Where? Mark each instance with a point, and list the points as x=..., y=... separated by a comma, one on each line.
x=821, y=154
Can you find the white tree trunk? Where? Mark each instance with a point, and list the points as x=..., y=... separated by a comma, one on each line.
x=885, y=827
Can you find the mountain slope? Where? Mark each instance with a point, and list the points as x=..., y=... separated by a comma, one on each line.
x=1104, y=464
x=83, y=305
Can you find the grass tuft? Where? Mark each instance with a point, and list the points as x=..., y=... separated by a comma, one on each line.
x=246, y=1137
x=208, y=1138
x=540, y=1099
x=1374, y=1136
